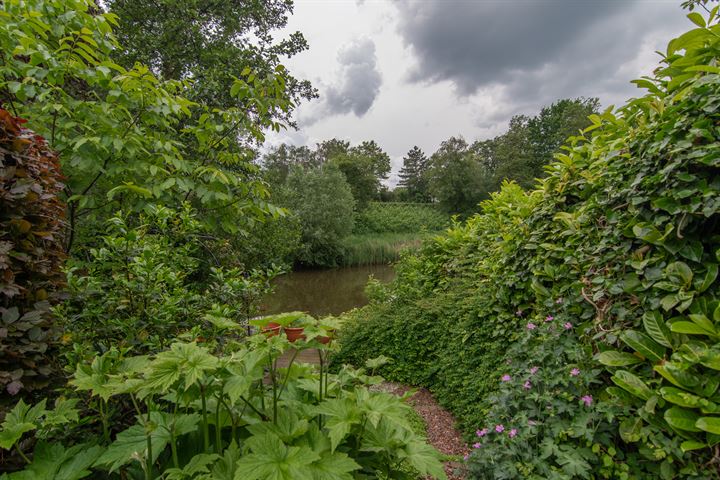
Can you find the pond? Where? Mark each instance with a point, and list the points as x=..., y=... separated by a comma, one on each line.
x=323, y=292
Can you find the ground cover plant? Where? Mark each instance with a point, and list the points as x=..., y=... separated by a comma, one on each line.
x=235, y=415
x=572, y=328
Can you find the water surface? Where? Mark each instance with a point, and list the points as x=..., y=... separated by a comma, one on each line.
x=323, y=292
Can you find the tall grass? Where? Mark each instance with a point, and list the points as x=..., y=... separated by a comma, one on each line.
x=396, y=217
x=378, y=248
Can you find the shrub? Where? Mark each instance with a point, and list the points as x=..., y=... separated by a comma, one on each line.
x=624, y=231
x=32, y=230
x=400, y=218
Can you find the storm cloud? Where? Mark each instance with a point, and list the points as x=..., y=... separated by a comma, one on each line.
x=536, y=51
x=356, y=85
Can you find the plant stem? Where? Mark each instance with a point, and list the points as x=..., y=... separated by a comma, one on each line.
x=20, y=452
x=148, y=439
x=218, y=439
x=206, y=431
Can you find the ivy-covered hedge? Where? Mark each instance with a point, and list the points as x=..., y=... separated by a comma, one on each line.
x=512, y=318
x=32, y=230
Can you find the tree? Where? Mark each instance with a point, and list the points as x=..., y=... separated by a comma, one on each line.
x=328, y=149
x=457, y=179
x=323, y=202
x=278, y=162
x=210, y=42
x=413, y=175
x=125, y=137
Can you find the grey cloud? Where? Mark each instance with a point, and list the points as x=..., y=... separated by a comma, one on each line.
x=357, y=86
x=538, y=50
x=360, y=80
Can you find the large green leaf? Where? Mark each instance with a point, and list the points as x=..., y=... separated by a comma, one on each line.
x=342, y=414
x=132, y=443
x=685, y=399
x=682, y=419
x=21, y=419
x=55, y=462
x=709, y=424
x=643, y=344
x=271, y=459
x=632, y=384
x=333, y=466
x=183, y=360
x=613, y=358
x=655, y=326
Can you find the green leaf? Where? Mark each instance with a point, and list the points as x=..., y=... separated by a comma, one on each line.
x=55, y=462
x=19, y=420
x=688, y=328
x=709, y=424
x=333, y=466
x=631, y=429
x=342, y=414
x=682, y=419
x=683, y=398
x=702, y=321
x=632, y=384
x=643, y=344
x=655, y=326
x=703, y=283
x=697, y=19
x=680, y=272
x=613, y=358
x=690, y=445
x=131, y=444
x=272, y=460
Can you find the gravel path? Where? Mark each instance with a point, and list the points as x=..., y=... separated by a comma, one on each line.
x=441, y=431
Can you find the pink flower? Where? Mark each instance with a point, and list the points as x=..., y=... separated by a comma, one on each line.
x=512, y=433
x=527, y=385
x=481, y=433
x=500, y=428
x=477, y=445
x=549, y=318
x=559, y=300
x=533, y=370
x=506, y=378
x=587, y=399
x=567, y=325
x=575, y=372
x=14, y=387
x=531, y=326
x=466, y=457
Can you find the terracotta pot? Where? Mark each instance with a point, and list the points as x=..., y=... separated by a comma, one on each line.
x=272, y=325
x=294, y=333
x=326, y=340
x=271, y=331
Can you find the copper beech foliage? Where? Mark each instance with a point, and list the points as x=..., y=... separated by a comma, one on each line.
x=32, y=227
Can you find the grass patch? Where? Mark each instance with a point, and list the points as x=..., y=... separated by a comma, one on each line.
x=378, y=248
x=397, y=217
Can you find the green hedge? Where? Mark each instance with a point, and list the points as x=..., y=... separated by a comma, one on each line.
x=620, y=246
x=397, y=217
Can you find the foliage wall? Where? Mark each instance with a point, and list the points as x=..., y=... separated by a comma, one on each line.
x=32, y=230
x=611, y=263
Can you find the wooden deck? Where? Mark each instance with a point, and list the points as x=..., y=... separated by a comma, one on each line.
x=311, y=355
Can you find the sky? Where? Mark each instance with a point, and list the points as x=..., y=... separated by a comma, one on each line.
x=417, y=72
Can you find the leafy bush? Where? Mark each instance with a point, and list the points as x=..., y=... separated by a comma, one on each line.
x=322, y=201
x=232, y=416
x=145, y=285
x=399, y=218
x=32, y=230
x=624, y=230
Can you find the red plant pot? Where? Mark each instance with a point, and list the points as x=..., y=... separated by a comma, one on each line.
x=323, y=340
x=271, y=331
x=294, y=334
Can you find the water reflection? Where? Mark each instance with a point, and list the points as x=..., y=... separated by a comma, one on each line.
x=324, y=292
